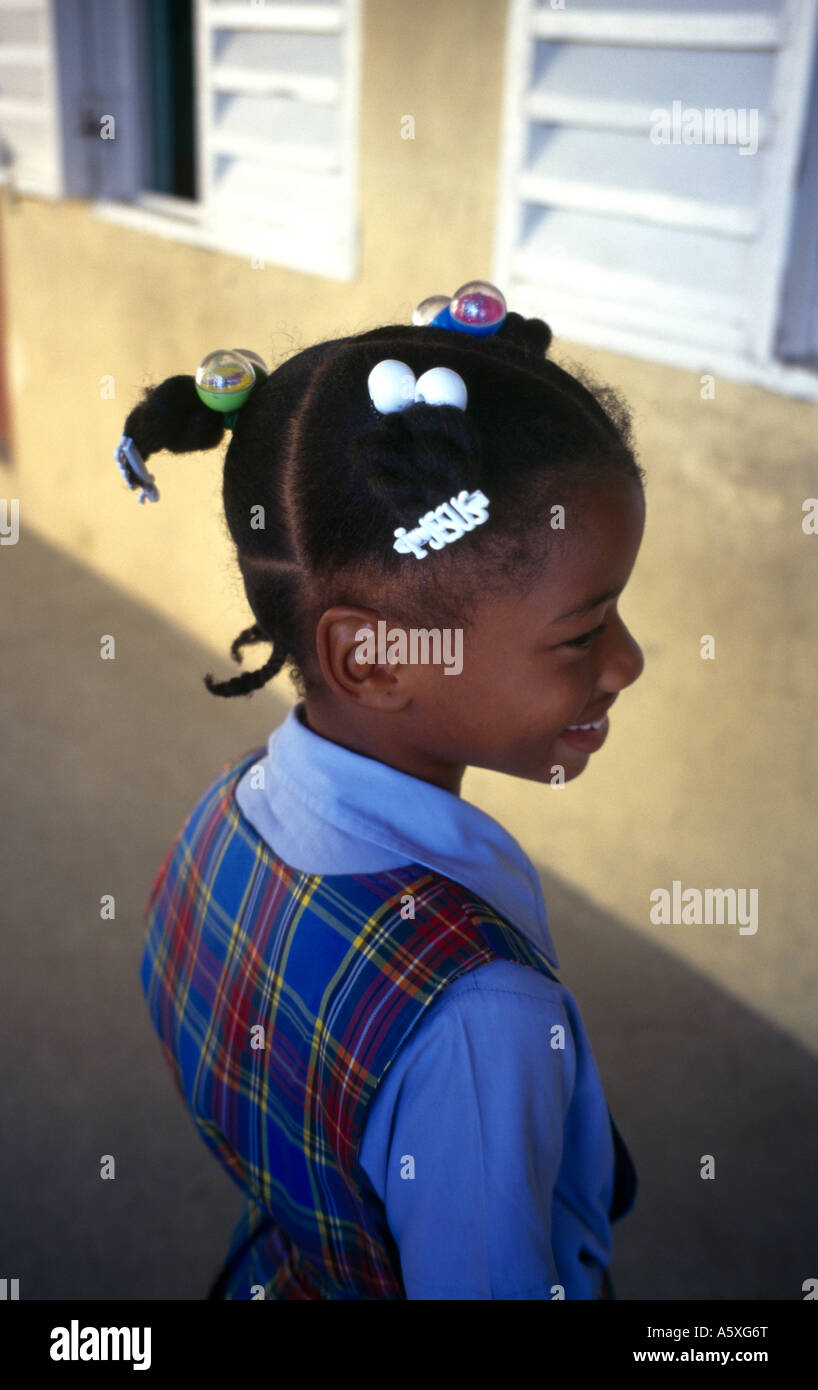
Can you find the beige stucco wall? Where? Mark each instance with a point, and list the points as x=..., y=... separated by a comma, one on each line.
x=710, y=769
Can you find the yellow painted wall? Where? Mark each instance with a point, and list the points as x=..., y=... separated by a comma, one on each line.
x=709, y=773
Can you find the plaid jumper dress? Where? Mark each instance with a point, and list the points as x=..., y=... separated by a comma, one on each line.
x=280, y=999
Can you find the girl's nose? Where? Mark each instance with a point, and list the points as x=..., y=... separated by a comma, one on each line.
x=624, y=661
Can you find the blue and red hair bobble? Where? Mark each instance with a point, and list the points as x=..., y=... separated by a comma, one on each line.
x=478, y=308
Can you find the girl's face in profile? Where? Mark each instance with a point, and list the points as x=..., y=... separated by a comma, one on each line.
x=538, y=662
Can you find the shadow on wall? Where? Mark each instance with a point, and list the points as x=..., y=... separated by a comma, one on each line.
x=106, y=759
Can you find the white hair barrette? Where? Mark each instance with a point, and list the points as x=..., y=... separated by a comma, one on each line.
x=392, y=387
x=444, y=524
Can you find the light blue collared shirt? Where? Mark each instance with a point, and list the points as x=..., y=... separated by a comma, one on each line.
x=512, y=1171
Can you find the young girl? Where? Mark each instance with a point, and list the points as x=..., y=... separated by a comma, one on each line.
x=349, y=967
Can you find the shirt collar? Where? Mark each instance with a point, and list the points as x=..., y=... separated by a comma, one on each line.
x=325, y=809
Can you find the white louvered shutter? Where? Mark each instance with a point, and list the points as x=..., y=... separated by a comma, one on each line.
x=674, y=251
x=30, y=156
x=277, y=127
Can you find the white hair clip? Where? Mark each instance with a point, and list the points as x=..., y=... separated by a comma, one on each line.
x=392, y=387
x=444, y=524
x=126, y=452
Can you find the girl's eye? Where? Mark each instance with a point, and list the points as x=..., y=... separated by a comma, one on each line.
x=587, y=637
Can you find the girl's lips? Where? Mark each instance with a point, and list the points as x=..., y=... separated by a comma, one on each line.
x=586, y=740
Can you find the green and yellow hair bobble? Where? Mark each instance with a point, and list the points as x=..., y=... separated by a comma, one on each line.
x=226, y=378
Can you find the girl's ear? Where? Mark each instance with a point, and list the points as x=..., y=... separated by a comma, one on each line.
x=352, y=648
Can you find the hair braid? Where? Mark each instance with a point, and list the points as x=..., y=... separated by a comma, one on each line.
x=249, y=681
x=250, y=634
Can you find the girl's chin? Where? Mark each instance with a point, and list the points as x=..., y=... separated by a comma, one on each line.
x=563, y=768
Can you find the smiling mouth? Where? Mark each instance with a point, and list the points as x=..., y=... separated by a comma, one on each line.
x=586, y=738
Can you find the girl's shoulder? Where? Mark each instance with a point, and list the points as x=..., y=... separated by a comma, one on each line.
x=408, y=913
x=509, y=977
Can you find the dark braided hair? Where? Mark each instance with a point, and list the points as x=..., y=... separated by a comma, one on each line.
x=316, y=481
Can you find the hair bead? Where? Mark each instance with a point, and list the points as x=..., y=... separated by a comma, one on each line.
x=442, y=386
x=391, y=386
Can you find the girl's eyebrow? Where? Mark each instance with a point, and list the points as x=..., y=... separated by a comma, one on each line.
x=590, y=605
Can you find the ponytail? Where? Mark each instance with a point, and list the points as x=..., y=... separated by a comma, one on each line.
x=172, y=416
x=415, y=458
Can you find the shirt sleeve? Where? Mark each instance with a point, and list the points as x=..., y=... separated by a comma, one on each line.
x=463, y=1140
